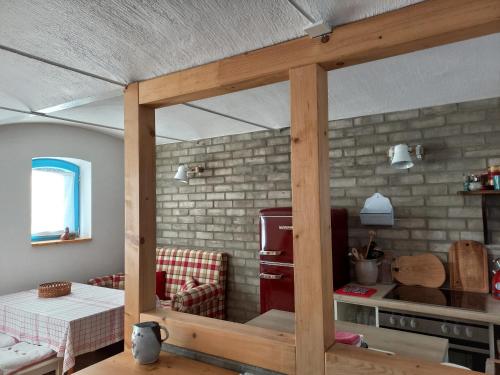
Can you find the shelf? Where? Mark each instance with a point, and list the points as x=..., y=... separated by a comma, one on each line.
x=59, y=242
x=479, y=192
x=484, y=208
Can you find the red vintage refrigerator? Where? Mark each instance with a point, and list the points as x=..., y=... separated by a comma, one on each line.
x=276, y=256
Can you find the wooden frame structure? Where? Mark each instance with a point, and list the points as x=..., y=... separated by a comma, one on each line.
x=305, y=62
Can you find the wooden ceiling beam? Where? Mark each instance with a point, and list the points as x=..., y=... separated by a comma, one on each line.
x=423, y=25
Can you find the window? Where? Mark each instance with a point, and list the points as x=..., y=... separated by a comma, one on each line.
x=55, y=198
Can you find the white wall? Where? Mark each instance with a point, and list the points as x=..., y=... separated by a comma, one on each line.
x=23, y=266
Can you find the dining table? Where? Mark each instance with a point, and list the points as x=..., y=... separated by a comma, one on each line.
x=87, y=319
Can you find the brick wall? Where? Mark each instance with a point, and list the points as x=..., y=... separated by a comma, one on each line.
x=247, y=172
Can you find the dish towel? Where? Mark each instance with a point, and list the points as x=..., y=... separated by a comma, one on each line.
x=348, y=338
x=356, y=291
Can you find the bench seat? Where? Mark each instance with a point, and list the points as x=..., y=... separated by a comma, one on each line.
x=25, y=358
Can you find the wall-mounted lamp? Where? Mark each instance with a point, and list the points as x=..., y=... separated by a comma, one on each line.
x=184, y=172
x=400, y=155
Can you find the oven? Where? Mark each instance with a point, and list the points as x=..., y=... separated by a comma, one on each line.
x=468, y=341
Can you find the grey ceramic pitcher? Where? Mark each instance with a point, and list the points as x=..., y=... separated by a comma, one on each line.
x=146, y=342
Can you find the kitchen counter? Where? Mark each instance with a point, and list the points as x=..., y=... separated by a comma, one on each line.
x=428, y=348
x=491, y=315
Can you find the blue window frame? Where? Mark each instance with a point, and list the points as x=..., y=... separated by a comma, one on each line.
x=55, y=198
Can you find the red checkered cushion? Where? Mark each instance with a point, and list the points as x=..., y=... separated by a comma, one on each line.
x=119, y=281
x=196, y=299
x=212, y=308
x=105, y=281
x=189, y=284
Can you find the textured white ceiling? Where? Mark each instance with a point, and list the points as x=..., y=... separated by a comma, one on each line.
x=8, y=117
x=128, y=40
x=178, y=121
x=21, y=120
x=339, y=12
x=267, y=105
x=131, y=40
x=452, y=73
x=30, y=84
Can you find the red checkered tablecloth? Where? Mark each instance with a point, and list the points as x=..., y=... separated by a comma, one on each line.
x=87, y=319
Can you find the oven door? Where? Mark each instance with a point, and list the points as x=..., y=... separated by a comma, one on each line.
x=464, y=353
x=470, y=355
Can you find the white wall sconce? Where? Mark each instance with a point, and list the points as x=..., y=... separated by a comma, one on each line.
x=401, y=155
x=184, y=172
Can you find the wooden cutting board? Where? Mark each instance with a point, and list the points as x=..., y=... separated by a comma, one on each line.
x=468, y=264
x=424, y=270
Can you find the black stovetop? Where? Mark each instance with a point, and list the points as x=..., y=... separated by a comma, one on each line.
x=439, y=297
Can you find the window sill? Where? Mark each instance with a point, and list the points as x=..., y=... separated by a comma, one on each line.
x=58, y=242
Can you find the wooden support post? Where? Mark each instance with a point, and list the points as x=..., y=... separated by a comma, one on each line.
x=140, y=209
x=314, y=319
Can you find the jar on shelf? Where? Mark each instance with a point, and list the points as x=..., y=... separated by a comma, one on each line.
x=493, y=170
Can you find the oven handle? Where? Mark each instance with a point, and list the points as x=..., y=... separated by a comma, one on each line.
x=269, y=276
x=468, y=349
x=270, y=252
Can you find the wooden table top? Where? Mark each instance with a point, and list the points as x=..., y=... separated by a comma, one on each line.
x=168, y=364
x=433, y=349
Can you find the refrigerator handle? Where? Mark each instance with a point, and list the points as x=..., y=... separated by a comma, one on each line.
x=270, y=252
x=269, y=276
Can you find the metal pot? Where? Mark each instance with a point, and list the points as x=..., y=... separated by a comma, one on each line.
x=366, y=271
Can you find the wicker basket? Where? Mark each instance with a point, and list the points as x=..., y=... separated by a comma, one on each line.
x=54, y=289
